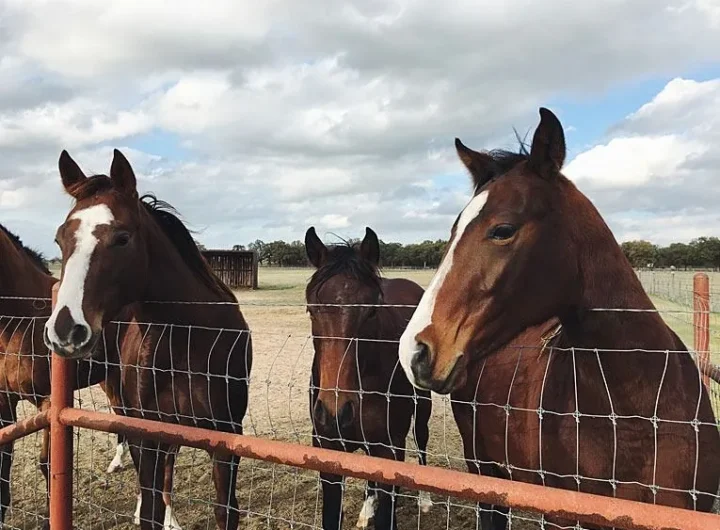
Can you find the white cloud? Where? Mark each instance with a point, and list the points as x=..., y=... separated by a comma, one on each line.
x=75, y=123
x=340, y=113
x=628, y=162
x=656, y=178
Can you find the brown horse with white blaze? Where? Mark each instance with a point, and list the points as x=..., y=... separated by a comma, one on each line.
x=614, y=405
x=359, y=395
x=126, y=261
x=25, y=291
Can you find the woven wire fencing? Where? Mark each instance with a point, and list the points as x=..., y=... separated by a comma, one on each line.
x=696, y=319
x=277, y=496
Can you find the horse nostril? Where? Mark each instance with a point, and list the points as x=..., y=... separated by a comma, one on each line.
x=79, y=335
x=320, y=413
x=46, y=338
x=421, y=362
x=347, y=415
x=422, y=354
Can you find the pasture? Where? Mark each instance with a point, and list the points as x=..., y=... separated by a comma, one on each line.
x=273, y=496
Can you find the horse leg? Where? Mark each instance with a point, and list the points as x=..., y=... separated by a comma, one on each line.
x=387, y=494
x=149, y=459
x=492, y=517
x=170, y=521
x=121, y=450
x=225, y=470
x=421, y=431
x=367, y=513
x=332, y=487
x=7, y=416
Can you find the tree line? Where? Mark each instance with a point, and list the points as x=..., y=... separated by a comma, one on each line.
x=416, y=255
x=703, y=252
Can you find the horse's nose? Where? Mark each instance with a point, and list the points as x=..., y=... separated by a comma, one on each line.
x=330, y=424
x=421, y=363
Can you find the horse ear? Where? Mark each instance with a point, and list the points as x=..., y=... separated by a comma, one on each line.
x=547, y=154
x=480, y=165
x=70, y=173
x=370, y=246
x=123, y=175
x=314, y=248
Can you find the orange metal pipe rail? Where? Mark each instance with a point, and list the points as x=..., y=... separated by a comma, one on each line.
x=24, y=427
x=592, y=509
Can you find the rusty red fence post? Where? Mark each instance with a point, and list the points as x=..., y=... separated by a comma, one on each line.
x=61, y=442
x=701, y=320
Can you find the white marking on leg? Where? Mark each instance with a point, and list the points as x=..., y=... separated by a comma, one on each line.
x=425, y=502
x=136, y=516
x=422, y=317
x=170, y=521
x=117, y=461
x=72, y=288
x=367, y=512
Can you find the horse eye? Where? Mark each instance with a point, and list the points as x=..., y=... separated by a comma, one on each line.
x=502, y=232
x=120, y=239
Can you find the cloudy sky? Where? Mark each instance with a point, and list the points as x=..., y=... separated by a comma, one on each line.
x=259, y=119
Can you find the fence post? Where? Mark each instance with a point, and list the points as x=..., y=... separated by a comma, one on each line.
x=61, y=442
x=701, y=320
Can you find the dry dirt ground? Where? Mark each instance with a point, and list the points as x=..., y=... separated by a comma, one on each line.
x=270, y=496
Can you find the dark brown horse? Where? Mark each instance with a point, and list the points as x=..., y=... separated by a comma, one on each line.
x=355, y=368
x=127, y=260
x=614, y=405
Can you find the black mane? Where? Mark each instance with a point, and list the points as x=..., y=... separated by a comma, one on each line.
x=166, y=217
x=35, y=256
x=345, y=259
x=504, y=160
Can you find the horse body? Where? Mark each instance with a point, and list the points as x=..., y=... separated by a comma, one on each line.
x=613, y=404
x=24, y=361
x=360, y=398
x=177, y=346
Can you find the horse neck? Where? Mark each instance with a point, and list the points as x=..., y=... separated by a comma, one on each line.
x=172, y=280
x=607, y=281
x=21, y=278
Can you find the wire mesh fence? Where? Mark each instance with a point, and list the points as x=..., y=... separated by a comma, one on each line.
x=277, y=496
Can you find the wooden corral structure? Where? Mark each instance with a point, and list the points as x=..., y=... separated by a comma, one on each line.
x=237, y=268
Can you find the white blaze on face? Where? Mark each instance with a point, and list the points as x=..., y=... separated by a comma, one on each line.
x=422, y=317
x=72, y=288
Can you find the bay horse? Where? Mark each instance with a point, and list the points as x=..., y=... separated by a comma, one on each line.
x=26, y=287
x=611, y=402
x=355, y=326
x=127, y=263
